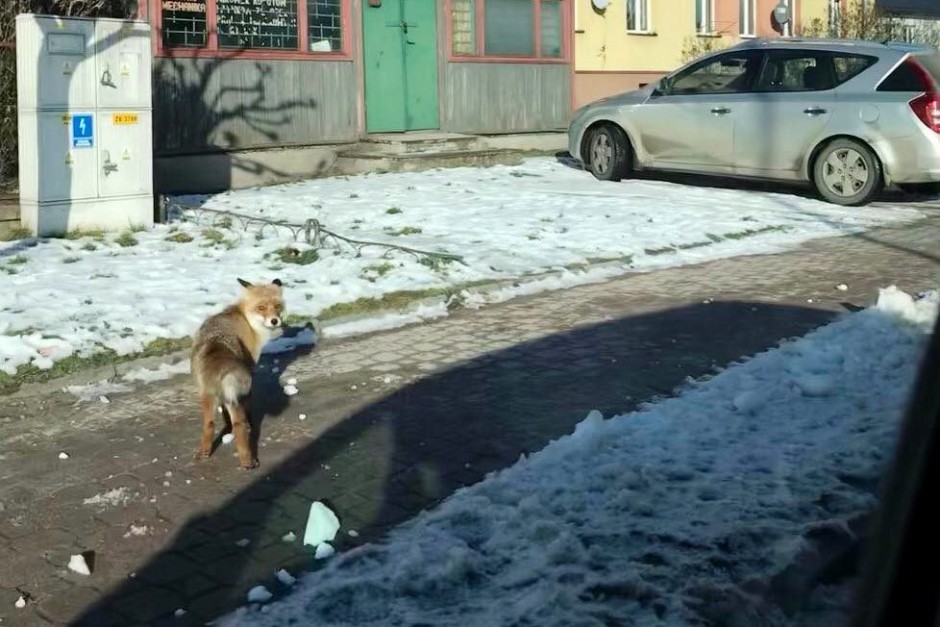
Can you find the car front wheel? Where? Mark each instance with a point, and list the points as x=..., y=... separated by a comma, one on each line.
x=847, y=172
x=609, y=153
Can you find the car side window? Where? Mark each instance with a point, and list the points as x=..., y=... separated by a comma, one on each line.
x=848, y=66
x=725, y=74
x=796, y=70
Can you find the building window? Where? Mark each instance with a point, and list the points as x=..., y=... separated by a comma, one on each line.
x=638, y=16
x=746, y=11
x=704, y=16
x=508, y=29
x=283, y=26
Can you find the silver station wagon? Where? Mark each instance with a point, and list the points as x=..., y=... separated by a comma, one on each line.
x=850, y=117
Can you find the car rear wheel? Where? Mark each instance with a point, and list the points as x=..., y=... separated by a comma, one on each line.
x=847, y=172
x=608, y=153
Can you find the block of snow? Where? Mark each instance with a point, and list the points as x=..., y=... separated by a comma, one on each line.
x=292, y=381
x=815, y=384
x=20, y=603
x=749, y=401
x=842, y=287
x=227, y=438
x=63, y=455
x=290, y=536
x=179, y=613
x=290, y=390
x=322, y=525
x=78, y=564
x=324, y=550
x=302, y=416
x=285, y=577
x=259, y=594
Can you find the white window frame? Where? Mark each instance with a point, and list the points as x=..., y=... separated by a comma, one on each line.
x=641, y=9
x=746, y=17
x=707, y=7
x=788, y=27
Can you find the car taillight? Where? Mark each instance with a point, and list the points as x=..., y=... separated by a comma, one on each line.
x=927, y=108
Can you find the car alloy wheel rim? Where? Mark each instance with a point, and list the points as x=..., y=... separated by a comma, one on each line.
x=845, y=172
x=601, y=153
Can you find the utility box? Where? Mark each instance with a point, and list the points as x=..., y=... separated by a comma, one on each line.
x=84, y=112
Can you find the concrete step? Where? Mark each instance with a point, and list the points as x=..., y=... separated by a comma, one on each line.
x=361, y=162
x=416, y=143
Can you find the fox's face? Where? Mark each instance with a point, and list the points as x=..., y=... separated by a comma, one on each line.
x=263, y=305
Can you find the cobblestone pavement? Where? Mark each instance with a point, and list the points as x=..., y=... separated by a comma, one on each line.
x=394, y=423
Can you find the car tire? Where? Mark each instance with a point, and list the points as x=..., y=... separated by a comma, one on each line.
x=608, y=152
x=847, y=172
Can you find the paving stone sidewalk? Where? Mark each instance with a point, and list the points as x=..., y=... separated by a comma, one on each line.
x=395, y=422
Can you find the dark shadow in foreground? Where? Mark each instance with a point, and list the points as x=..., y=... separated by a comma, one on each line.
x=384, y=463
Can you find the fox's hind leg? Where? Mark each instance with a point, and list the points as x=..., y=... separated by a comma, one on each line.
x=241, y=429
x=208, y=404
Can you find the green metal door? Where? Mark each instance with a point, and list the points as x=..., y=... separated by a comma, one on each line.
x=400, y=58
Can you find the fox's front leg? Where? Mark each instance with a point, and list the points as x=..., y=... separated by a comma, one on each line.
x=208, y=404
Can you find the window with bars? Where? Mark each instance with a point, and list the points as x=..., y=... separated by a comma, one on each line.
x=527, y=29
x=267, y=25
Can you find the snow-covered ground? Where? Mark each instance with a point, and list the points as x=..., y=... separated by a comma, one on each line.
x=680, y=513
x=66, y=296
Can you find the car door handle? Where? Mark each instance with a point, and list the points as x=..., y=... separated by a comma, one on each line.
x=814, y=111
x=721, y=110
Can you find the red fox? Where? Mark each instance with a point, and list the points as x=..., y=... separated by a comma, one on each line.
x=224, y=354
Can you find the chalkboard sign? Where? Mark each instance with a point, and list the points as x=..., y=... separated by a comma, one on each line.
x=270, y=24
x=183, y=23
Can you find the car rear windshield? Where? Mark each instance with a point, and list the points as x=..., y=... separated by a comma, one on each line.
x=907, y=77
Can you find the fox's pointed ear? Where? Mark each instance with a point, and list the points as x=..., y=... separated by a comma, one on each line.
x=277, y=282
x=244, y=283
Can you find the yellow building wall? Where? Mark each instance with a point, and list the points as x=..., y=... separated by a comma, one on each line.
x=811, y=10
x=601, y=41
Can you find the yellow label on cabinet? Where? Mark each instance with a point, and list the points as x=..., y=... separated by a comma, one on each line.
x=125, y=118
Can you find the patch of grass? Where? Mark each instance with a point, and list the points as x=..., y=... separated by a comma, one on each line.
x=297, y=257
x=97, y=234
x=213, y=235
x=126, y=239
x=407, y=230
x=532, y=237
x=714, y=238
x=435, y=263
x=71, y=259
x=224, y=222
x=380, y=269
x=393, y=210
x=751, y=232
x=659, y=251
x=15, y=234
x=75, y=363
x=137, y=228
x=17, y=261
x=88, y=246
x=180, y=237
x=692, y=245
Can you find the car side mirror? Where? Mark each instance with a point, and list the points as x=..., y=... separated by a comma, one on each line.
x=660, y=89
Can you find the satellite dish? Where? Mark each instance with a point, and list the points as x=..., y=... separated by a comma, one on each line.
x=600, y=5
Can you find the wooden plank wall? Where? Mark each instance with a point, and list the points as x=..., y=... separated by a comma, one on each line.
x=504, y=97
x=211, y=104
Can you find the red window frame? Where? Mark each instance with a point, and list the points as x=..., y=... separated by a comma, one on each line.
x=212, y=49
x=479, y=31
